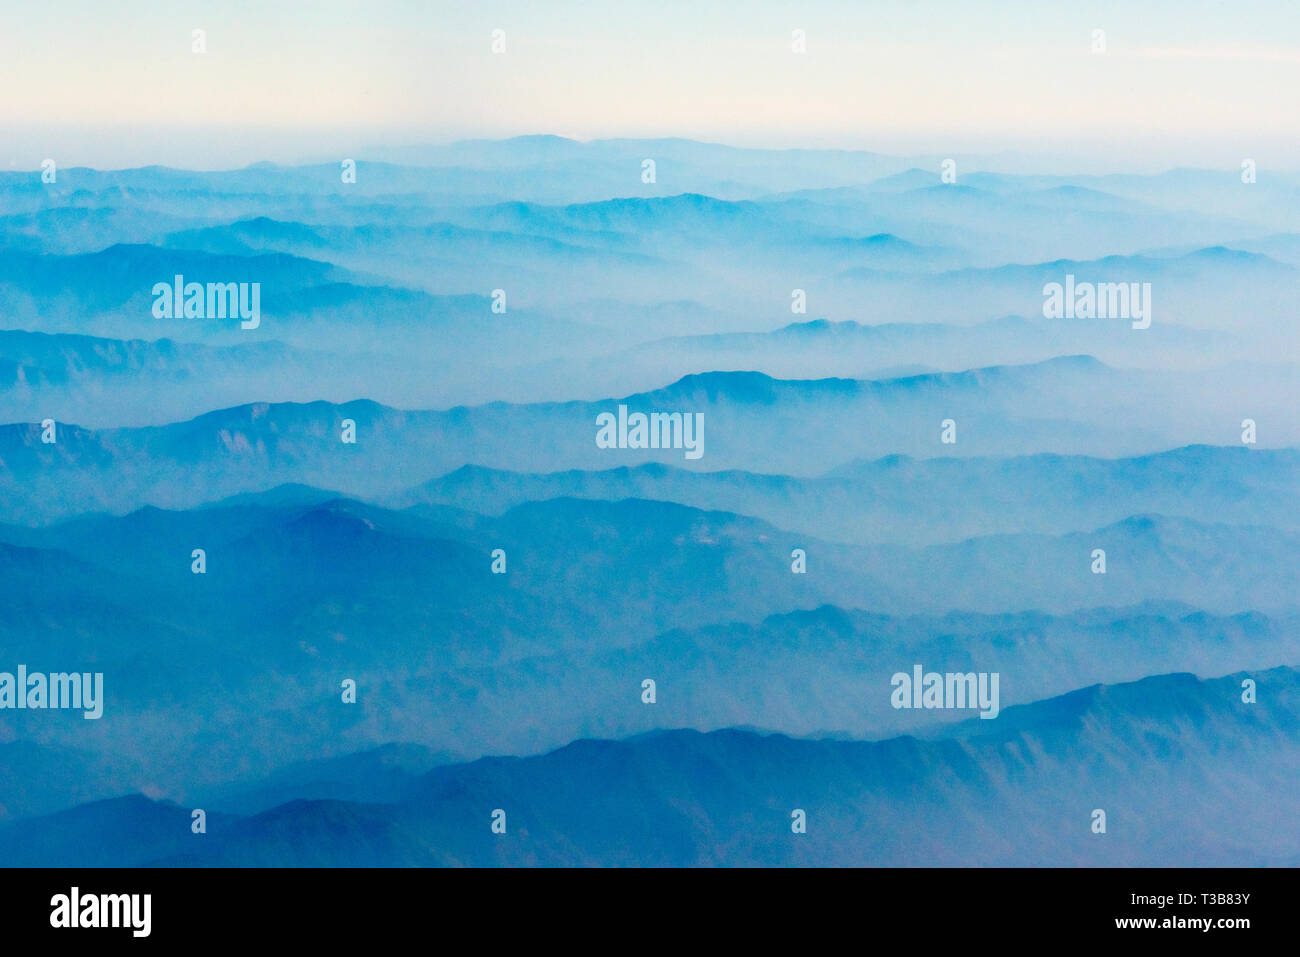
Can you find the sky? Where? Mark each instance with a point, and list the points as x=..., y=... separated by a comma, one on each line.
x=1179, y=84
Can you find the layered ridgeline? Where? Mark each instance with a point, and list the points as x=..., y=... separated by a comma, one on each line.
x=97, y=381
x=903, y=500
x=242, y=666
x=368, y=512
x=723, y=421
x=694, y=559
x=570, y=198
x=1180, y=771
x=394, y=289
x=85, y=343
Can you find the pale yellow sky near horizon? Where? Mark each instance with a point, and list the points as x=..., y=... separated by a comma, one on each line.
x=120, y=84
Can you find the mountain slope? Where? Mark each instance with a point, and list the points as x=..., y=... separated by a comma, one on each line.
x=1187, y=774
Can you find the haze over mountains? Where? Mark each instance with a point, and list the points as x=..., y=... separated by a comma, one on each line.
x=919, y=501
x=974, y=796
x=397, y=477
